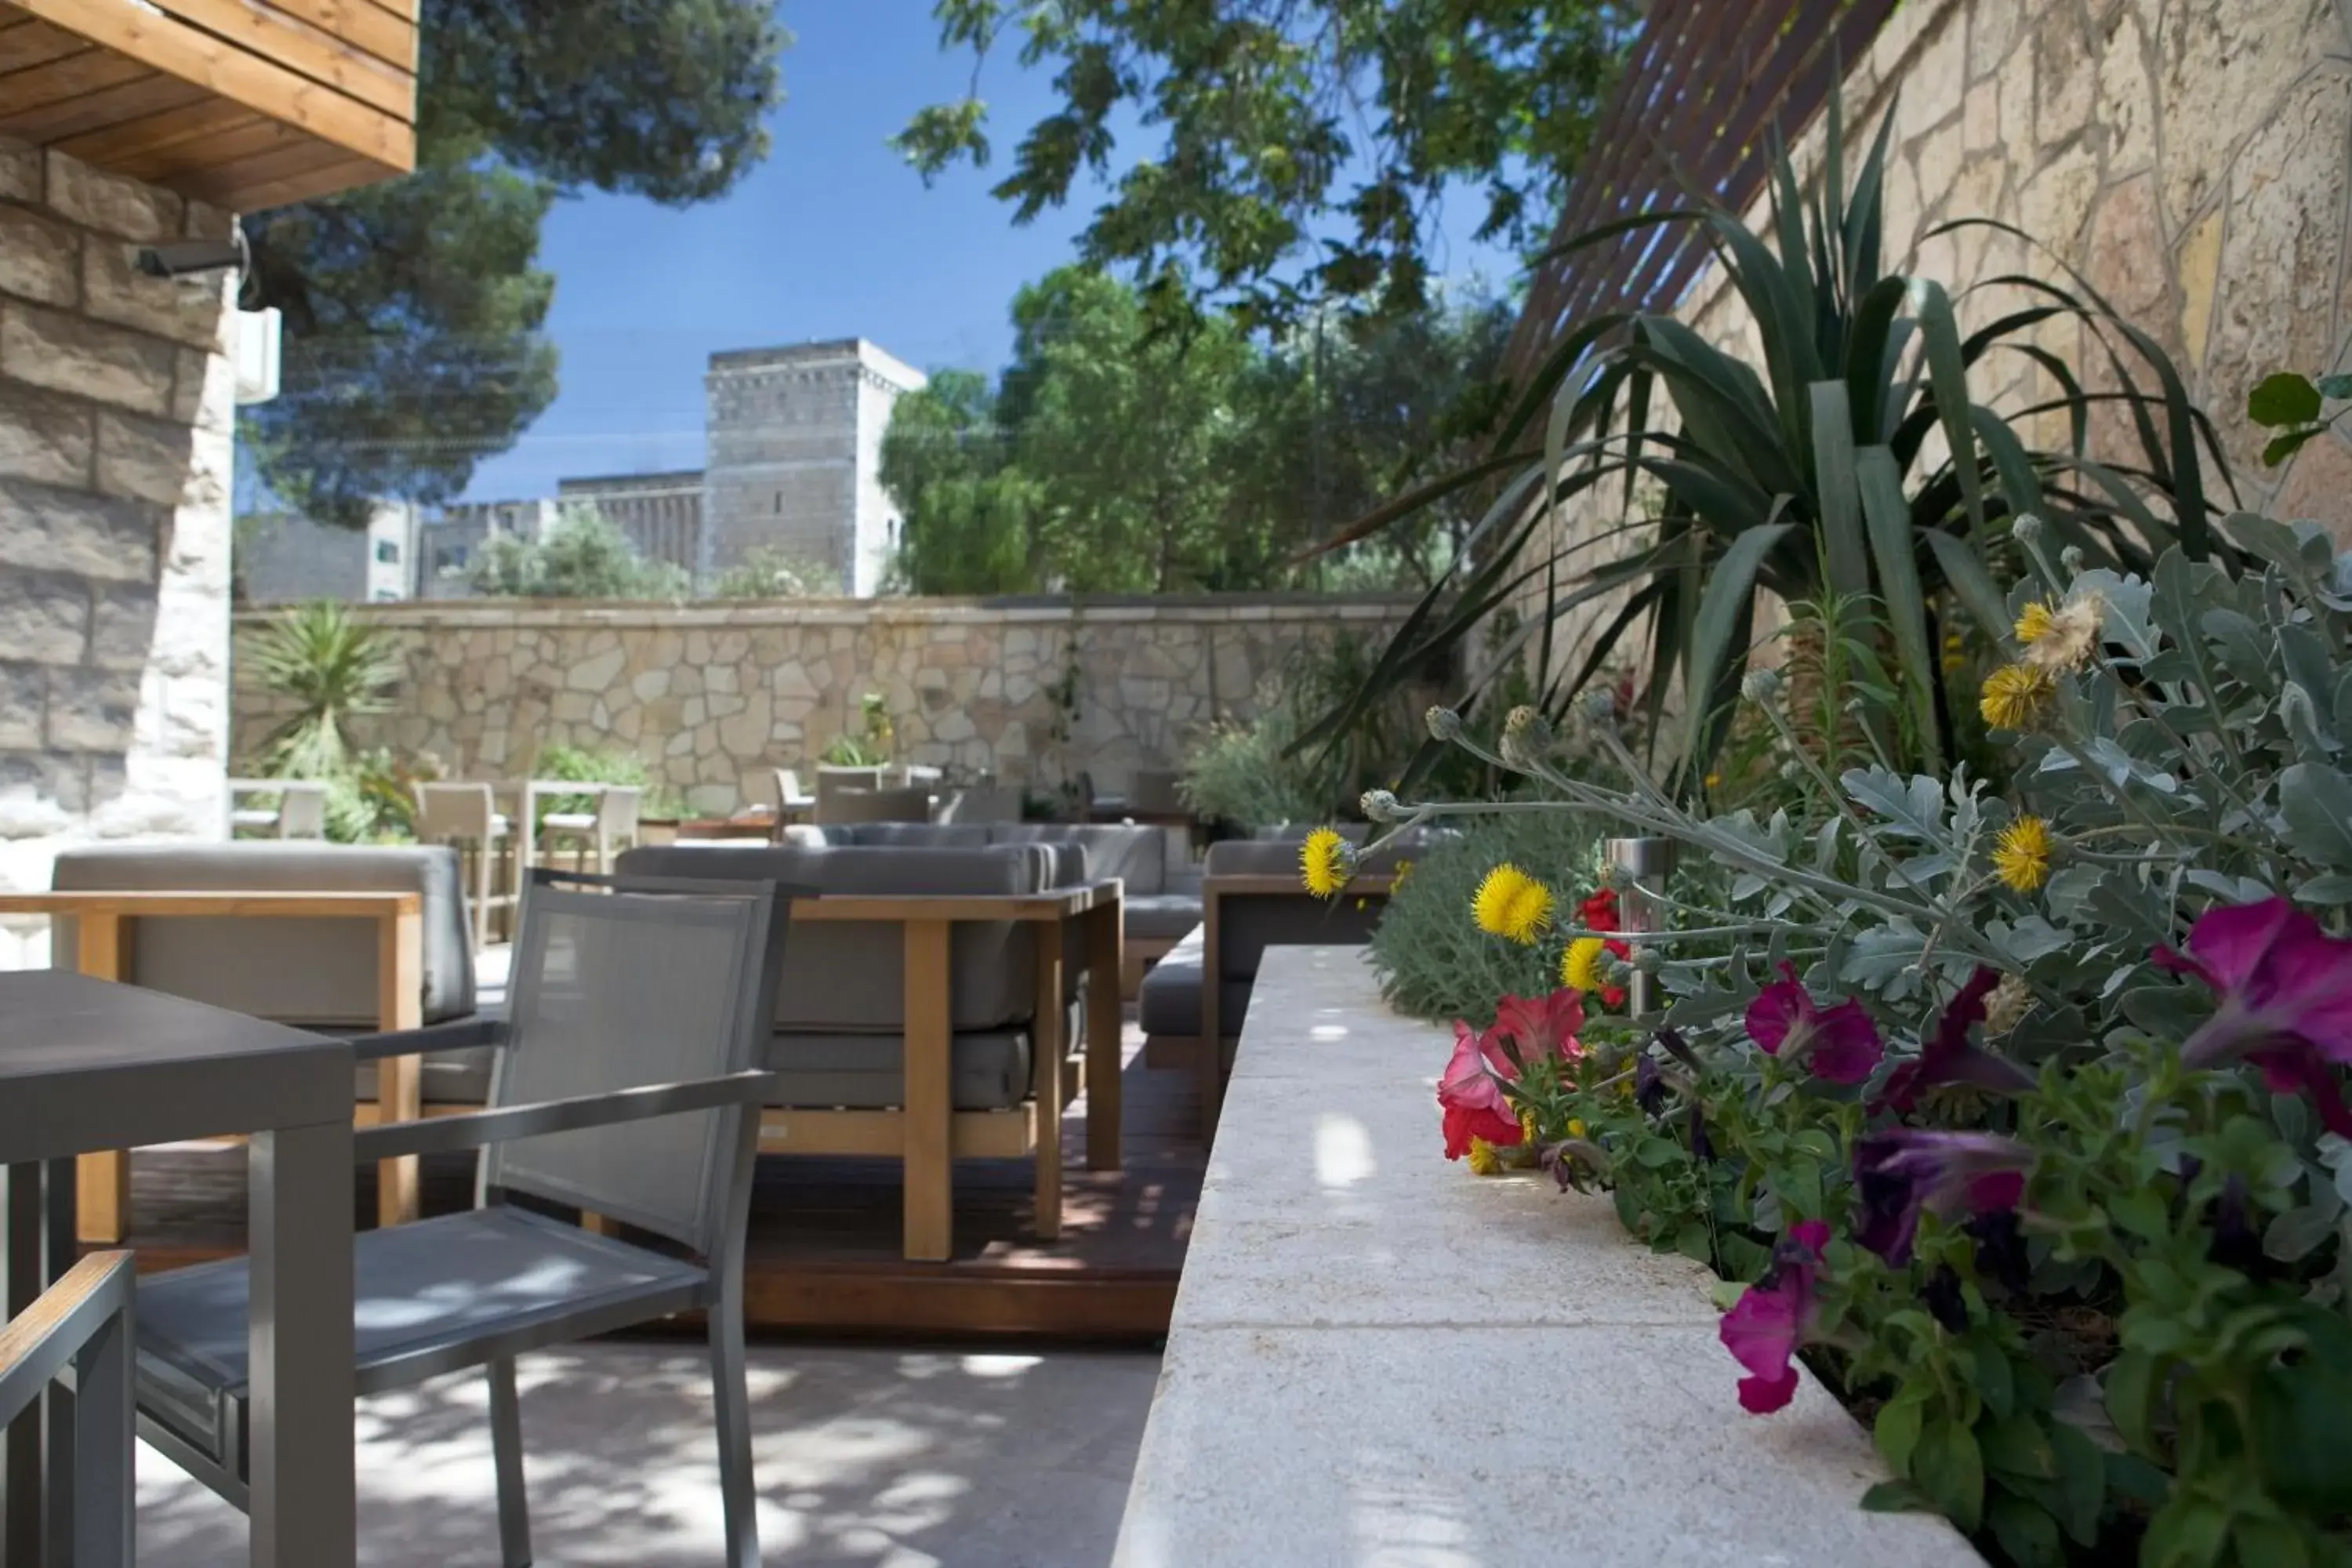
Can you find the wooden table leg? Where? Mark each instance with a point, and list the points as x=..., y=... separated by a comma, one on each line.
x=928, y=1120
x=399, y=1080
x=103, y=1200
x=1046, y=1048
x=301, y=1419
x=1105, y=1031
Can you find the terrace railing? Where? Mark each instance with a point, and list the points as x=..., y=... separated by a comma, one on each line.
x=1707, y=86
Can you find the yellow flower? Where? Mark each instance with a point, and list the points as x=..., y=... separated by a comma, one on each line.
x=1396, y=882
x=1575, y=1128
x=1325, y=861
x=1510, y=903
x=1580, y=966
x=1526, y=1127
x=2022, y=857
x=2034, y=623
x=2063, y=638
x=2016, y=695
x=1484, y=1160
x=1715, y=781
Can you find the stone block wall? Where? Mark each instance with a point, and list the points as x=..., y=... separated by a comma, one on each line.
x=2187, y=158
x=712, y=696
x=116, y=408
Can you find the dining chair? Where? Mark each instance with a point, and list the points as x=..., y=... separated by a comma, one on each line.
x=605, y=831
x=467, y=816
x=628, y=1084
x=301, y=811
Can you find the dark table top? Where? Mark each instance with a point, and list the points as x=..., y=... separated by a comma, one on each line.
x=92, y=1064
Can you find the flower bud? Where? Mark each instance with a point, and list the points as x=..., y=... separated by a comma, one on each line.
x=1648, y=960
x=2026, y=529
x=1444, y=723
x=1526, y=738
x=1380, y=806
x=1761, y=686
x=1599, y=706
x=2071, y=558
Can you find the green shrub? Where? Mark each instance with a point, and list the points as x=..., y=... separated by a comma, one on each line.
x=576, y=763
x=1432, y=962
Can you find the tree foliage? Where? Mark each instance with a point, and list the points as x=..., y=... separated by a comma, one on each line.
x=413, y=308
x=583, y=556
x=1114, y=455
x=1307, y=144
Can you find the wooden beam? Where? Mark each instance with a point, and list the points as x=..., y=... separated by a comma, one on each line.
x=61, y=80
x=974, y=1134
x=148, y=94
x=1046, y=1049
x=363, y=24
x=338, y=906
x=322, y=179
x=302, y=47
x=167, y=43
x=184, y=131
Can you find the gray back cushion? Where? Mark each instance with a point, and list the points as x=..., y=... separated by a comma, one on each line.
x=1247, y=924
x=314, y=971
x=1137, y=856
x=850, y=977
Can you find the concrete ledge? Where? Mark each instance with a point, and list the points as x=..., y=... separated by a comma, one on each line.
x=1378, y=1359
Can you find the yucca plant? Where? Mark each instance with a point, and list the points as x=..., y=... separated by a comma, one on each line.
x=333, y=668
x=1813, y=474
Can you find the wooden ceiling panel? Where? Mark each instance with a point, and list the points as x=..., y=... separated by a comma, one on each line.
x=76, y=116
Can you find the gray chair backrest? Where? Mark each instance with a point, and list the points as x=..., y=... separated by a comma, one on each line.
x=625, y=983
x=320, y=972
x=910, y=805
x=983, y=803
x=302, y=812
x=849, y=977
x=1155, y=789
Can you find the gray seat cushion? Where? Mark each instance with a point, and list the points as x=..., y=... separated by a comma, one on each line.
x=417, y=1288
x=989, y=1070
x=306, y=972
x=1168, y=1006
x=1161, y=915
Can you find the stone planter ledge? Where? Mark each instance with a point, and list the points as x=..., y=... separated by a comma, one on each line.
x=1378, y=1361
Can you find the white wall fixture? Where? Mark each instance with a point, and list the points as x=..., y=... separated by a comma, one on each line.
x=258, y=336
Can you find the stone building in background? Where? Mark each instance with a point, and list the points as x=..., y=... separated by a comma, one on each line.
x=284, y=558
x=794, y=465
x=660, y=514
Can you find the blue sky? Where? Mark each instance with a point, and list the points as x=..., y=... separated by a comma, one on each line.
x=834, y=236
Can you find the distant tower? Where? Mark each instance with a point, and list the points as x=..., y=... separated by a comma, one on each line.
x=795, y=459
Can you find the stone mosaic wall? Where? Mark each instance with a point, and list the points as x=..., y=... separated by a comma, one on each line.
x=116, y=405
x=711, y=695
x=2188, y=158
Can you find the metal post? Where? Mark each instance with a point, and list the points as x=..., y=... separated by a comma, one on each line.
x=1648, y=862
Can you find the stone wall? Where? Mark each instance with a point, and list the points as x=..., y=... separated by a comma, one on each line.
x=116, y=406
x=711, y=696
x=2187, y=157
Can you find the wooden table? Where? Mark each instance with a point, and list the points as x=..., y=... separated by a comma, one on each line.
x=88, y=1064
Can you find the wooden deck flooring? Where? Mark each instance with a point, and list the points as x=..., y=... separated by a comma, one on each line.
x=824, y=1232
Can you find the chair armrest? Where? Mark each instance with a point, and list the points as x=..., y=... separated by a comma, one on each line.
x=457, y=1034
x=478, y=1128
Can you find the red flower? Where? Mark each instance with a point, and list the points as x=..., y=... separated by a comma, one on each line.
x=1840, y=1044
x=1471, y=1093
x=1946, y=1057
x=2286, y=990
x=1599, y=913
x=1763, y=1332
x=1531, y=1028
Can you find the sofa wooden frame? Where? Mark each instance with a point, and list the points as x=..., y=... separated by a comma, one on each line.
x=1209, y=1063
x=927, y=1133
x=107, y=929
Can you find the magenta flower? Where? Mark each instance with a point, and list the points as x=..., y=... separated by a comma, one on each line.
x=1772, y=1319
x=1533, y=1028
x=1901, y=1174
x=1946, y=1057
x=1840, y=1044
x=2286, y=990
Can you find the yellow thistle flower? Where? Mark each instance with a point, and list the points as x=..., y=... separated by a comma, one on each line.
x=2034, y=623
x=1484, y=1159
x=1510, y=903
x=2062, y=636
x=1575, y=1128
x=2016, y=696
x=2021, y=855
x=1325, y=861
x=1580, y=966
x=1715, y=781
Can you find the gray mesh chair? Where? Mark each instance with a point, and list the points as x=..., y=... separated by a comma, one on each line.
x=634, y=1003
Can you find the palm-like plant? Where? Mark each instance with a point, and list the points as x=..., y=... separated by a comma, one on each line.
x=333, y=668
x=1815, y=476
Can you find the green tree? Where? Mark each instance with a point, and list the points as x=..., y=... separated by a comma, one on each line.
x=971, y=515
x=1308, y=144
x=583, y=556
x=412, y=307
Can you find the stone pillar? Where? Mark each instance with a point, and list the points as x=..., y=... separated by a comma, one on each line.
x=117, y=405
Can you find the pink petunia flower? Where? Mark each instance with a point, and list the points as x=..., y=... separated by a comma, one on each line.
x=2285, y=992
x=1771, y=1320
x=1471, y=1093
x=1947, y=1057
x=1900, y=1174
x=1530, y=1028
x=1840, y=1044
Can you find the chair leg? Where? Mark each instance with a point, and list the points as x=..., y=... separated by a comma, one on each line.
x=506, y=1449
x=731, y=1397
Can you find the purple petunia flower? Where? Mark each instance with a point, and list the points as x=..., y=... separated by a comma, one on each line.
x=1902, y=1174
x=1763, y=1330
x=2286, y=990
x=1840, y=1044
x=1946, y=1057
